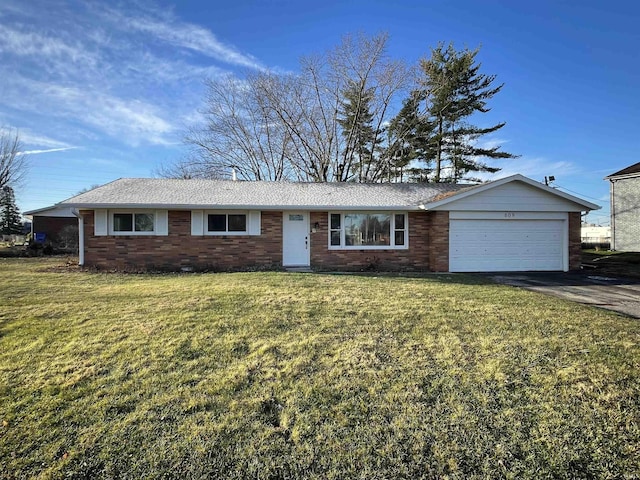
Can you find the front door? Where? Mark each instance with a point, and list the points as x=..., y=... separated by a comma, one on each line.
x=295, y=239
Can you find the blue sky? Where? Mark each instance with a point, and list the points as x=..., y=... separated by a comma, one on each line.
x=102, y=90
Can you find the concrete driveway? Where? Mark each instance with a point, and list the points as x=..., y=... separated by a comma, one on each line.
x=618, y=294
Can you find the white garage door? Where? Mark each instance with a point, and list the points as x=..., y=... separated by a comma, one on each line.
x=506, y=245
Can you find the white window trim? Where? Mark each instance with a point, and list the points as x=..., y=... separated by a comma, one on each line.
x=114, y=232
x=205, y=222
x=392, y=236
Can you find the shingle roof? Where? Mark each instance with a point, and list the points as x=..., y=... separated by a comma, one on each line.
x=175, y=193
x=635, y=168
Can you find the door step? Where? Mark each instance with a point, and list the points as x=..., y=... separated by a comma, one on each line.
x=299, y=269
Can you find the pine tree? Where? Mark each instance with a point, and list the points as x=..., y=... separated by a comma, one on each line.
x=361, y=138
x=409, y=148
x=451, y=92
x=10, y=223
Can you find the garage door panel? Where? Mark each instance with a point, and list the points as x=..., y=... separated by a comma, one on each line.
x=506, y=245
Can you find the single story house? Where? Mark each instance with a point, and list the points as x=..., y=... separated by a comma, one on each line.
x=624, y=187
x=511, y=224
x=47, y=224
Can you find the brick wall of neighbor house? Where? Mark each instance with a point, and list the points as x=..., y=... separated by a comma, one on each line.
x=575, y=240
x=421, y=255
x=52, y=226
x=181, y=249
x=627, y=214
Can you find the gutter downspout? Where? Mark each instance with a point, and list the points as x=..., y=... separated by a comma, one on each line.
x=80, y=236
x=612, y=213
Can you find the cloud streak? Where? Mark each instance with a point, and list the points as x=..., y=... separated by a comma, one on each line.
x=534, y=167
x=185, y=35
x=50, y=150
x=130, y=74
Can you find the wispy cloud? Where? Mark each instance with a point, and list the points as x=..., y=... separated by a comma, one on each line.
x=182, y=35
x=534, y=167
x=132, y=121
x=34, y=44
x=28, y=137
x=49, y=150
x=131, y=73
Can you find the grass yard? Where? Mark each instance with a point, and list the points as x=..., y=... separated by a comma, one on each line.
x=607, y=262
x=278, y=375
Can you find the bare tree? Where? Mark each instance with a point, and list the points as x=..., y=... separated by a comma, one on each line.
x=374, y=82
x=13, y=164
x=240, y=133
x=310, y=105
x=272, y=126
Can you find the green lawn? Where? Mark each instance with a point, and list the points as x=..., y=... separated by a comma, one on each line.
x=279, y=375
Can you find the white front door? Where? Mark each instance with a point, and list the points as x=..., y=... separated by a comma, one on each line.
x=295, y=239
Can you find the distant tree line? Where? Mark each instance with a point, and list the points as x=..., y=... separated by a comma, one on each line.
x=350, y=115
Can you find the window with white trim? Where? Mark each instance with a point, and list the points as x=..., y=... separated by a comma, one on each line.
x=368, y=230
x=133, y=223
x=226, y=223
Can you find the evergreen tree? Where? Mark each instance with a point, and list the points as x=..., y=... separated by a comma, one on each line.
x=10, y=223
x=410, y=156
x=445, y=142
x=362, y=139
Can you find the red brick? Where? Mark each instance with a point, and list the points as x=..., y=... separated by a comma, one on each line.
x=181, y=249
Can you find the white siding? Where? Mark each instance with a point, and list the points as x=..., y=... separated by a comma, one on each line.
x=514, y=197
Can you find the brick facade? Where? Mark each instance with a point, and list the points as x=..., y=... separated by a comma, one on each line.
x=419, y=256
x=180, y=249
x=575, y=241
x=439, y=241
x=428, y=247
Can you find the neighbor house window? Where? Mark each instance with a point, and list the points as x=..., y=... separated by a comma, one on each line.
x=367, y=230
x=133, y=222
x=220, y=223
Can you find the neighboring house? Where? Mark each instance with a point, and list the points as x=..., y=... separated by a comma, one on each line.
x=48, y=224
x=512, y=224
x=625, y=208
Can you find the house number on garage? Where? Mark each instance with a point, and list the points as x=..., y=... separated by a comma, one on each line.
x=509, y=215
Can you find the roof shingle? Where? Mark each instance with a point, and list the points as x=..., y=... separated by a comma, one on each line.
x=175, y=193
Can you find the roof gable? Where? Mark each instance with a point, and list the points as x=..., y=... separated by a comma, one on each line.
x=514, y=193
x=632, y=171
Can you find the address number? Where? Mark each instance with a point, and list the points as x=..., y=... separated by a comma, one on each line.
x=509, y=215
